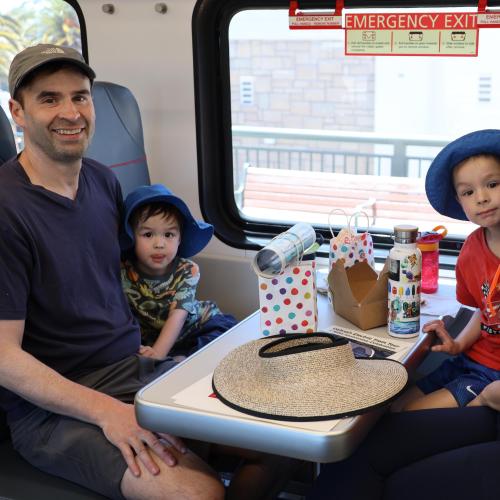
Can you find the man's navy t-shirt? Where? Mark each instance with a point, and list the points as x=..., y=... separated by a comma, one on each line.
x=60, y=272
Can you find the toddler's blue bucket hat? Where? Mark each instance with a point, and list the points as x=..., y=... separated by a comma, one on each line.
x=195, y=234
x=439, y=180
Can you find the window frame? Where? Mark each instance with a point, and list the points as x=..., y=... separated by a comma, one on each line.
x=83, y=28
x=210, y=31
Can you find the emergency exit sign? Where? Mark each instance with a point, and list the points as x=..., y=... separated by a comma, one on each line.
x=432, y=34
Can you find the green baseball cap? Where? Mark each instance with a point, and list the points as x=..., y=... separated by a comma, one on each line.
x=34, y=57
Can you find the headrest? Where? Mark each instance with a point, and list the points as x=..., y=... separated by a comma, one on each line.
x=118, y=140
x=7, y=142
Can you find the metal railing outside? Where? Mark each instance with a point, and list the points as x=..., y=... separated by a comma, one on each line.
x=332, y=151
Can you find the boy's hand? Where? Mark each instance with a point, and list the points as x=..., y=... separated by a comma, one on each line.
x=448, y=343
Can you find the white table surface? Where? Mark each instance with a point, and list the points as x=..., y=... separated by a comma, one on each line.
x=158, y=408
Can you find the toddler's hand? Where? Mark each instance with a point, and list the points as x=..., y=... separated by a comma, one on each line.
x=147, y=351
x=150, y=352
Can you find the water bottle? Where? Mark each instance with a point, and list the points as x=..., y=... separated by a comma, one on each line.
x=405, y=269
x=428, y=244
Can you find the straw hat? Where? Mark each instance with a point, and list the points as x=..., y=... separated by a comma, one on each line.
x=305, y=377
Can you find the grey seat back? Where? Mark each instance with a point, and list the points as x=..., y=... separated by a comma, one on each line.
x=7, y=142
x=118, y=140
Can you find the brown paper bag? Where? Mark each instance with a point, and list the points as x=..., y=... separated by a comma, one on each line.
x=359, y=294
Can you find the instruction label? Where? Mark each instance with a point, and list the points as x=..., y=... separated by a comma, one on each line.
x=312, y=21
x=488, y=19
x=432, y=34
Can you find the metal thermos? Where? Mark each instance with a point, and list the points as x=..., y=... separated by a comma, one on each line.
x=405, y=273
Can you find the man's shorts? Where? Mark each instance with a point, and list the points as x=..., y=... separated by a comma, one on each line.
x=79, y=451
x=464, y=378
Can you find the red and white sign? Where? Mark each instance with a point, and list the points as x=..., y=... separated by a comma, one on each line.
x=314, y=21
x=412, y=34
x=488, y=19
x=412, y=21
x=298, y=19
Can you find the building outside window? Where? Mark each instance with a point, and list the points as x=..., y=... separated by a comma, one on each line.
x=314, y=130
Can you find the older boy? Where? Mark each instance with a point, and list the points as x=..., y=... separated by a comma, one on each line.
x=464, y=182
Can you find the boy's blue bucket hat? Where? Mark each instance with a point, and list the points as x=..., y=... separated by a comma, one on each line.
x=195, y=234
x=439, y=180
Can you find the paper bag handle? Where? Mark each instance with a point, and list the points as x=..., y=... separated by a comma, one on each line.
x=332, y=212
x=356, y=214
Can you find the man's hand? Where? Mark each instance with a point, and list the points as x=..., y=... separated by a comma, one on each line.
x=448, y=343
x=135, y=443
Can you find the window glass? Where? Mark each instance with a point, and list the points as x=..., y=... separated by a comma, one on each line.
x=315, y=130
x=27, y=22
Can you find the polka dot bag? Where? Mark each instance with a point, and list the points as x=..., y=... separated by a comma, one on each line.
x=288, y=301
x=349, y=244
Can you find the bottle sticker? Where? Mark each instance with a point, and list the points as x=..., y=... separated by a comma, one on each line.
x=404, y=308
x=411, y=268
x=406, y=270
x=394, y=269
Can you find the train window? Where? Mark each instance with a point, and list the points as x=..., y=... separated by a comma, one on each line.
x=305, y=129
x=27, y=22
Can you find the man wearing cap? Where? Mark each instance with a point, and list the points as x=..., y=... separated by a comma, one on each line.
x=69, y=366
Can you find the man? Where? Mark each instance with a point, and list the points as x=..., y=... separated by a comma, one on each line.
x=69, y=367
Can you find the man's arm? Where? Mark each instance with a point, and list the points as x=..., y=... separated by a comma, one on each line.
x=48, y=389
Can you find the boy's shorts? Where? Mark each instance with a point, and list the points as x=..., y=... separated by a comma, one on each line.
x=79, y=451
x=464, y=378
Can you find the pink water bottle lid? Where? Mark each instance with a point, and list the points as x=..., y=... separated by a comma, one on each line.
x=430, y=239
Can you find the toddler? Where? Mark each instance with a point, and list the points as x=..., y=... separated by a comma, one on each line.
x=158, y=278
x=160, y=283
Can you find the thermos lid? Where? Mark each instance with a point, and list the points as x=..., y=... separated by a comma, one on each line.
x=405, y=233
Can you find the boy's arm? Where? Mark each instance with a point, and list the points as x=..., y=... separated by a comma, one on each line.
x=182, y=304
x=169, y=333
x=462, y=342
x=34, y=381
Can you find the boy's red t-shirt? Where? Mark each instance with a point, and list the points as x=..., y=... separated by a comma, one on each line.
x=476, y=267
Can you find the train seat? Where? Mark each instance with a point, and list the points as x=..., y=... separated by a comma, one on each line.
x=118, y=140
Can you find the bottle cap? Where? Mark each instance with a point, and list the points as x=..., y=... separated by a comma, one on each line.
x=434, y=236
x=405, y=233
